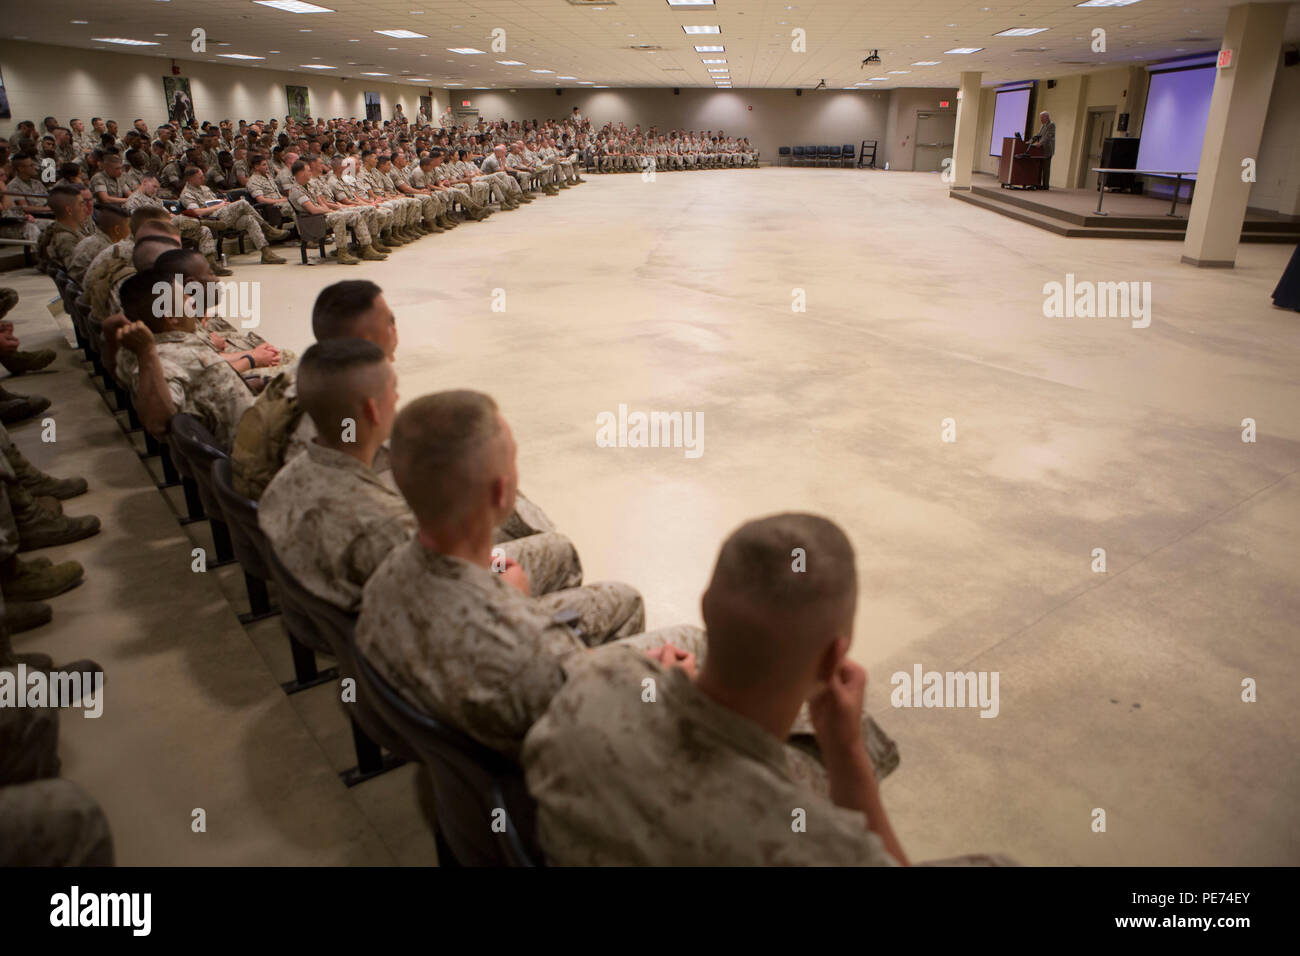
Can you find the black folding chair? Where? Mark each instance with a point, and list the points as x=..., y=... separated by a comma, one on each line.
x=471, y=784
x=846, y=155
x=316, y=625
x=781, y=152
x=247, y=539
x=196, y=450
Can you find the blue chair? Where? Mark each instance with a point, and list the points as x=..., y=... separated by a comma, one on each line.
x=824, y=155
x=846, y=155
x=783, y=151
x=798, y=156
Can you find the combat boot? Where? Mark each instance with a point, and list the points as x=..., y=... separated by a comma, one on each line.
x=217, y=268
x=8, y=299
x=38, y=528
x=269, y=257
x=17, y=408
x=40, y=485
x=19, y=616
x=19, y=362
x=274, y=233
x=348, y=259
x=26, y=581
x=373, y=254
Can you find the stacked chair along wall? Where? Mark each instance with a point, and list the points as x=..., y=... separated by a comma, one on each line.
x=470, y=784
x=313, y=622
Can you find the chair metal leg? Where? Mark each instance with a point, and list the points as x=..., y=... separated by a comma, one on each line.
x=193, y=503
x=259, y=601
x=305, y=672
x=371, y=759
x=171, y=477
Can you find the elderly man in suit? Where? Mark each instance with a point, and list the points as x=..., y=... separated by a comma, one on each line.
x=1046, y=137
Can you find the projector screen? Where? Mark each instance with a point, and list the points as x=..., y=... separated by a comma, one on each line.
x=1173, y=127
x=1010, y=116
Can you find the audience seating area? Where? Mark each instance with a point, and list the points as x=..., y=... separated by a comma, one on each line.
x=841, y=156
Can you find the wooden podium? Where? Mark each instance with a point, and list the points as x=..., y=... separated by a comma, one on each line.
x=1021, y=164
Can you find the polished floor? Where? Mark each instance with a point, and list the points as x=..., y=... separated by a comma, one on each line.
x=1119, y=690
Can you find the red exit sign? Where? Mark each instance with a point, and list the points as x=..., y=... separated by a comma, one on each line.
x=464, y=102
x=943, y=104
x=1225, y=59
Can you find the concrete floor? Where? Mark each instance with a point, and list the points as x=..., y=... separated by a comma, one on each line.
x=1119, y=691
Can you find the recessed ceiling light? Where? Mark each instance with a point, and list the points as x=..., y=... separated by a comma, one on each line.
x=566, y=77
x=600, y=87
x=512, y=62
x=718, y=69
x=272, y=51
x=402, y=34
x=900, y=71
x=316, y=66
x=293, y=6
x=713, y=61
x=160, y=34
x=122, y=41
x=451, y=84
x=710, y=49
x=541, y=71
x=1021, y=32
x=690, y=3
x=1106, y=3
x=240, y=56
x=692, y=31
x=586, y=82
x=419, y=79
x=880, y=79
x=304, y=31
x=926, y=63
x=374, y=74
x=81, y=22
x=354, y=41
x=466, y=50
x=964, y=49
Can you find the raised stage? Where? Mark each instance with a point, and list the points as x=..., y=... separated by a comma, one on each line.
x=1072, y=212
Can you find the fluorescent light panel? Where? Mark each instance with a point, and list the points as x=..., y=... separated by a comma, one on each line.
x=123, y=41
x=402, y=34
x=710, y=49
x=965, y=49
x=694, y=31
x=466, y=50
x=1021, y=32
x=293, y=6
x=240, y=56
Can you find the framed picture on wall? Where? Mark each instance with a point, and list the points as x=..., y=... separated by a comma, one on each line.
x=4, y=99
x=372, y=107
x=426, y=108
x=180, y=105
x=299, y=102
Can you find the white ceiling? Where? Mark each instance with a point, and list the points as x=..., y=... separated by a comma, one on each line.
x=592, y=42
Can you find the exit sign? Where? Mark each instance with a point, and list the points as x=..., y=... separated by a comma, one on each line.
x=1225, y=59
x=464, y=102
x=943, y=104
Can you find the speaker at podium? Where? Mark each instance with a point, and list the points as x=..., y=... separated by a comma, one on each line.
x=1021, y=164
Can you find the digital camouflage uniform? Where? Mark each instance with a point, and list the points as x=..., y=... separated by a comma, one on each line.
x=57, y=244
x=201, y=383
x=461, y=643
x=679, y=781
x=193, y=232
x=84, y=254
x=337, y=219
x=238, y=215
x=332, y=521
x=377, y=218
x=105, y=275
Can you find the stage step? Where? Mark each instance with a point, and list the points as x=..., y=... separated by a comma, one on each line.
x=1073, y=225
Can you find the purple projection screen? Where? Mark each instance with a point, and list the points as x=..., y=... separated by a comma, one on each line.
x=1173, y=128
x=1010, y=112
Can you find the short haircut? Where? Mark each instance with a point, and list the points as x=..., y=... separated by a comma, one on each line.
x=439, y=448
x=297, y=167
x=335, y=377
x=62, y=198
x=179, y=261
x=339, y=307
x=783, y=587
x=190, y=171
x=149, y=248
x=137, y=297
x=148, y=214
x=108, y=216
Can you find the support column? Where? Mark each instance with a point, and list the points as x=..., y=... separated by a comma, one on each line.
x=1233, y=132
x=968, y=119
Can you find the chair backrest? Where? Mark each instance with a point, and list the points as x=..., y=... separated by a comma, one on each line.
x=846, y=149
x=194, y=452
x=783, y=151
x=798, y=150
x=471, y=783
x=312, y=227
x=246, y=537
x=323, y=627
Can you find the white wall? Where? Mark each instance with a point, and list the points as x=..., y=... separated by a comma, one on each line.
x=65, y=83
x=1277, y=183
x=899, y=147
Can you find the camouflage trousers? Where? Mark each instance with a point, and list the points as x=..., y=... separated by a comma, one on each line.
x=340, y=219
x=242, y=217
x=8, y=479
x=505, y=185
x=193, y=233
x=44, y=821
x=550, y=560
x=406, y=211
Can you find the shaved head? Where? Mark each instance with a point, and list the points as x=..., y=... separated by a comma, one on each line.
x=453, y=454
x=336, y=378
x=784, y=588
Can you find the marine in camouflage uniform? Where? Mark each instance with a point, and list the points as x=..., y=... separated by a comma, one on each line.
x=57, y=244
x=332, y=521
x=679, y=781
x=201, y=383
x=461, y=643
x=193, y=232
x=238, y=215
x=105, y=275
x=85, y=252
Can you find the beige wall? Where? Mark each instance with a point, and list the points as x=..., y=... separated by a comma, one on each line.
x=770, y=118
x=66, y=83
x=899, y=148
x=1277, y=183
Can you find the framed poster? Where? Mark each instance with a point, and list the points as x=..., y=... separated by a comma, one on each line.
x=299, y=102
x=4, y=99
x=372, y=107
x=180, y=105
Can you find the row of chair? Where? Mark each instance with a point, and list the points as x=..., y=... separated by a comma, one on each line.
x=470, y=782
x=828, y=155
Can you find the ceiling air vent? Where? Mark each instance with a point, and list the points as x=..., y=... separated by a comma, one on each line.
x=645, y=47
